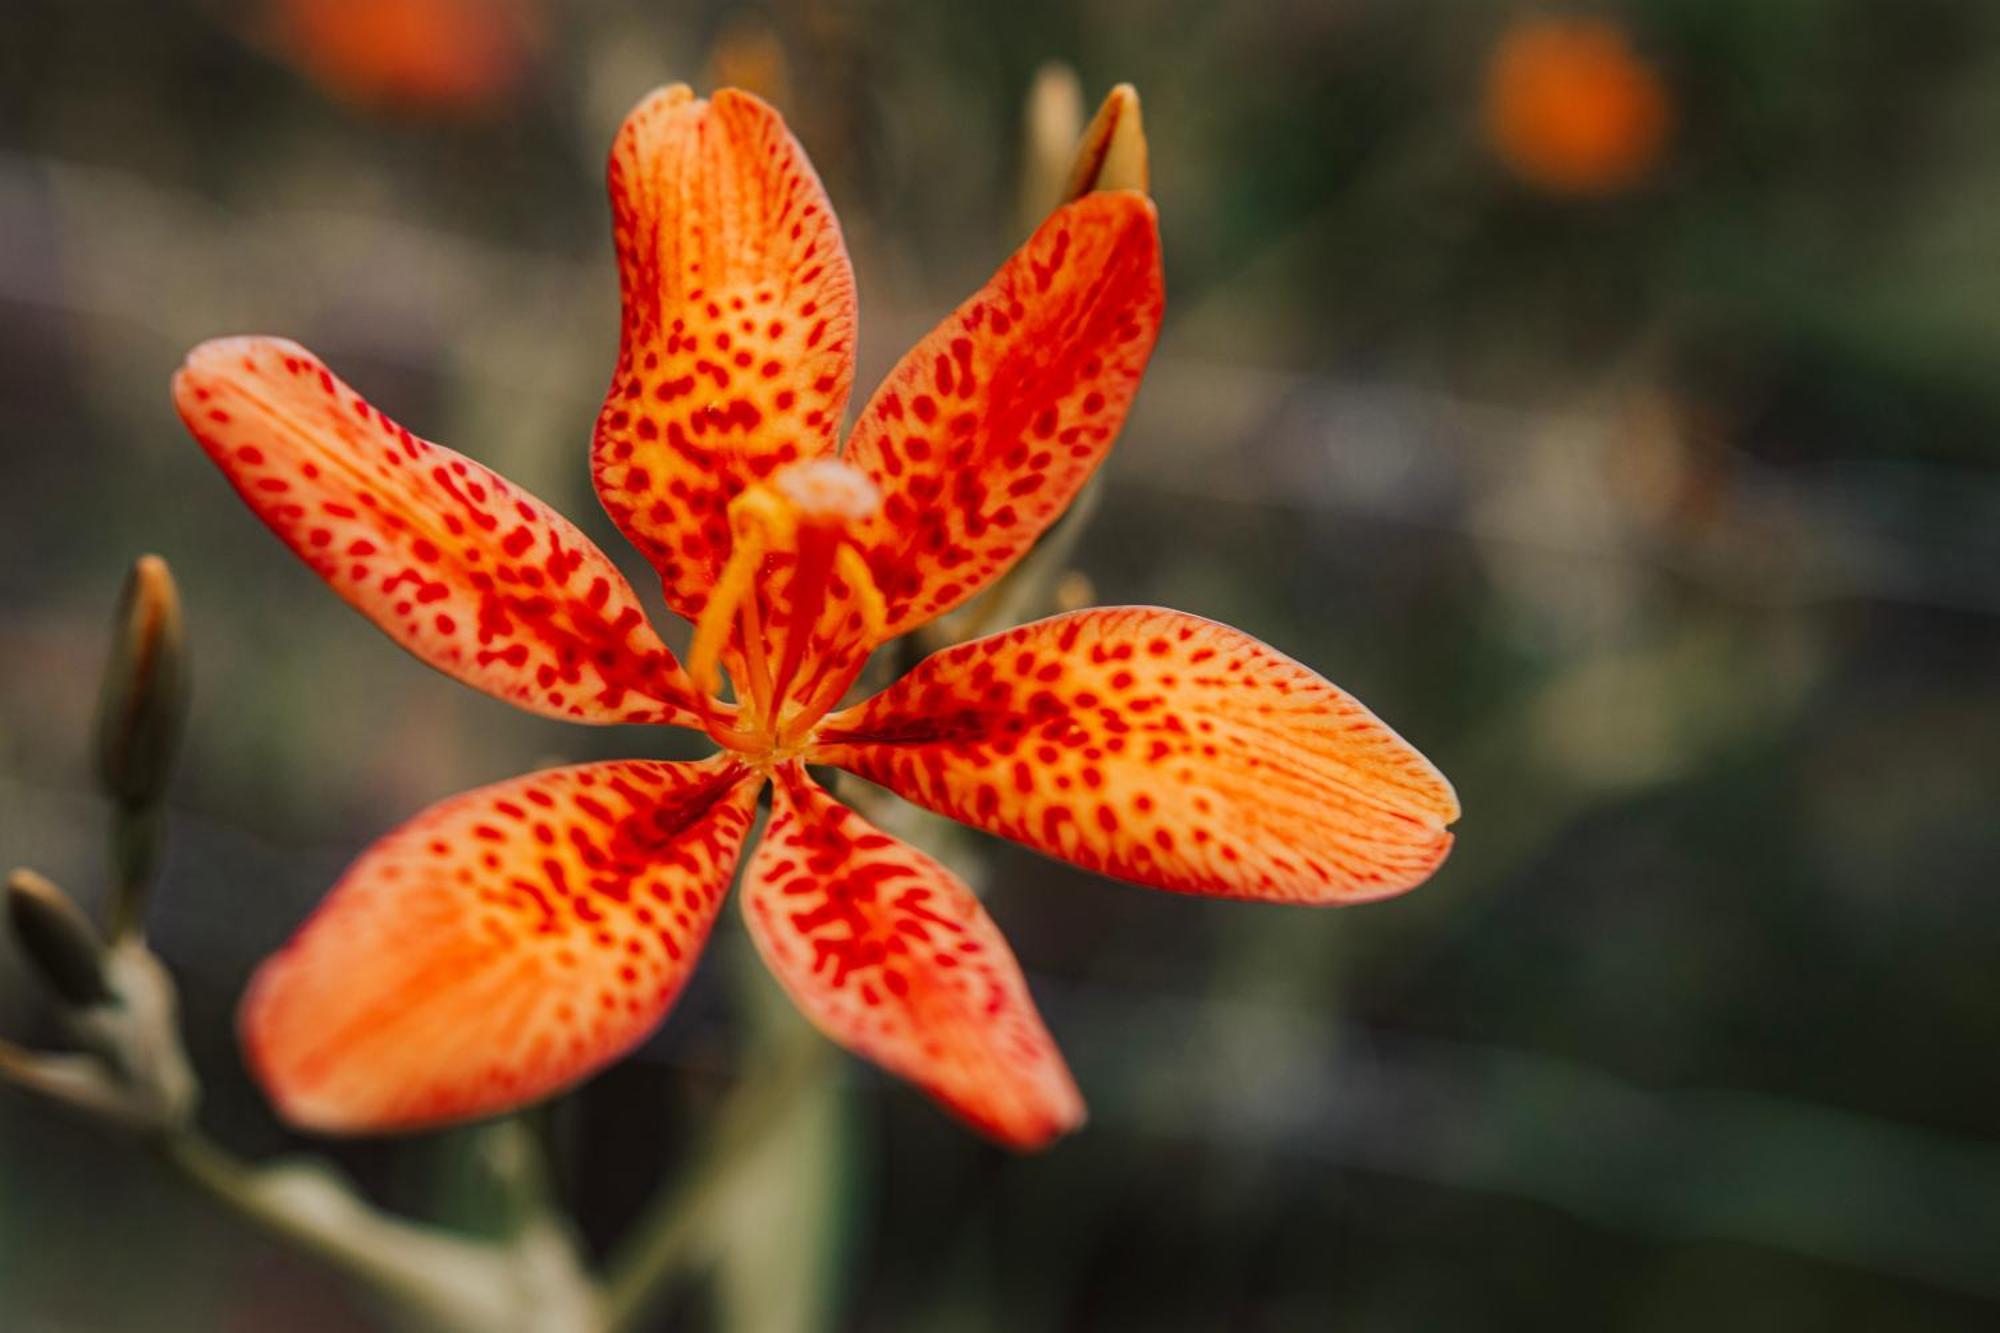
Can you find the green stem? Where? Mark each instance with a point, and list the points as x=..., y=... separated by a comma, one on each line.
x=666, y=1241
x=69, y=1080
x=138, y=837
x=443, y=1280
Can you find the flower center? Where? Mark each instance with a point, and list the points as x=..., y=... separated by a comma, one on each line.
x=795, y=610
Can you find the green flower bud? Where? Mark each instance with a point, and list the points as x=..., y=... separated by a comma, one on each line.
x=1112, y=155
x=144, y=701
x=58, y=938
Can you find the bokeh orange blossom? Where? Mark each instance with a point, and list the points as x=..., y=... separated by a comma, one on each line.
x=1573, y=109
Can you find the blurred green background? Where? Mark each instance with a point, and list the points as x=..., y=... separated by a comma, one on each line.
x=1664, y=516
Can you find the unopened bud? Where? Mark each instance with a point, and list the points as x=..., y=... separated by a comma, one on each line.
x=1112, y=154
x=58, y=938
x=1051, y=123
x=145, y=693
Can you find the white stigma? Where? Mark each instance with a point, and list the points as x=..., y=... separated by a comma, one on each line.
x=827, y=490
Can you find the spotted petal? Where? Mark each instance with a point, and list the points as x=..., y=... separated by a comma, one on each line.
x=738, y=345
x=983, y=434
x=465, y=570
x=889, y=954
x=499, y=946
x=1159, y=748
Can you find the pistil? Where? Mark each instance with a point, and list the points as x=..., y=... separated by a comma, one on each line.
x=832, y=680
x=807, y=597
x=810, y=513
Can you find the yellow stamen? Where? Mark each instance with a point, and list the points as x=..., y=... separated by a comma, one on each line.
x=738, y=579
x=755, y=659
x=803, y=514
x=874, y=607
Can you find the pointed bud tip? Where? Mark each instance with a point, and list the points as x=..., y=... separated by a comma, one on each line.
x=1112, y=154
x=153, y=581
x=152, y=600
x=25, y=883
x=57, y=937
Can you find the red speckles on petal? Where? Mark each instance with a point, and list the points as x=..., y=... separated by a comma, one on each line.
x=738, y=343
x=499, y=946
x=983, y=434
x=1167, y=750
x=457, y=565
x=889, y=954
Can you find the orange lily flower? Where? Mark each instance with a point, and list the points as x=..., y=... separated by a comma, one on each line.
x=512, y=940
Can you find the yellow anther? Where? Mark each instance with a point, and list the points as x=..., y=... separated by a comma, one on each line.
x=737, y=582
x=854, y=571
x=762, y=509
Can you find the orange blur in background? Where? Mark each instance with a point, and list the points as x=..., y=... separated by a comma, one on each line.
x=451, y=57
x=1571, y=108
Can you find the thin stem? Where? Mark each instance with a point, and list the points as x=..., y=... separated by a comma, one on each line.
x=450, y=1281
x=72, y=1080
x=138, y=836
x=664, y=1241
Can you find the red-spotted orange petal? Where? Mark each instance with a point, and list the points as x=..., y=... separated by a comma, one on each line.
x=982, y=435
x=1159, y=748
x=465, y=570
x=738, y=345
x=499, y=946
x=889, y=954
